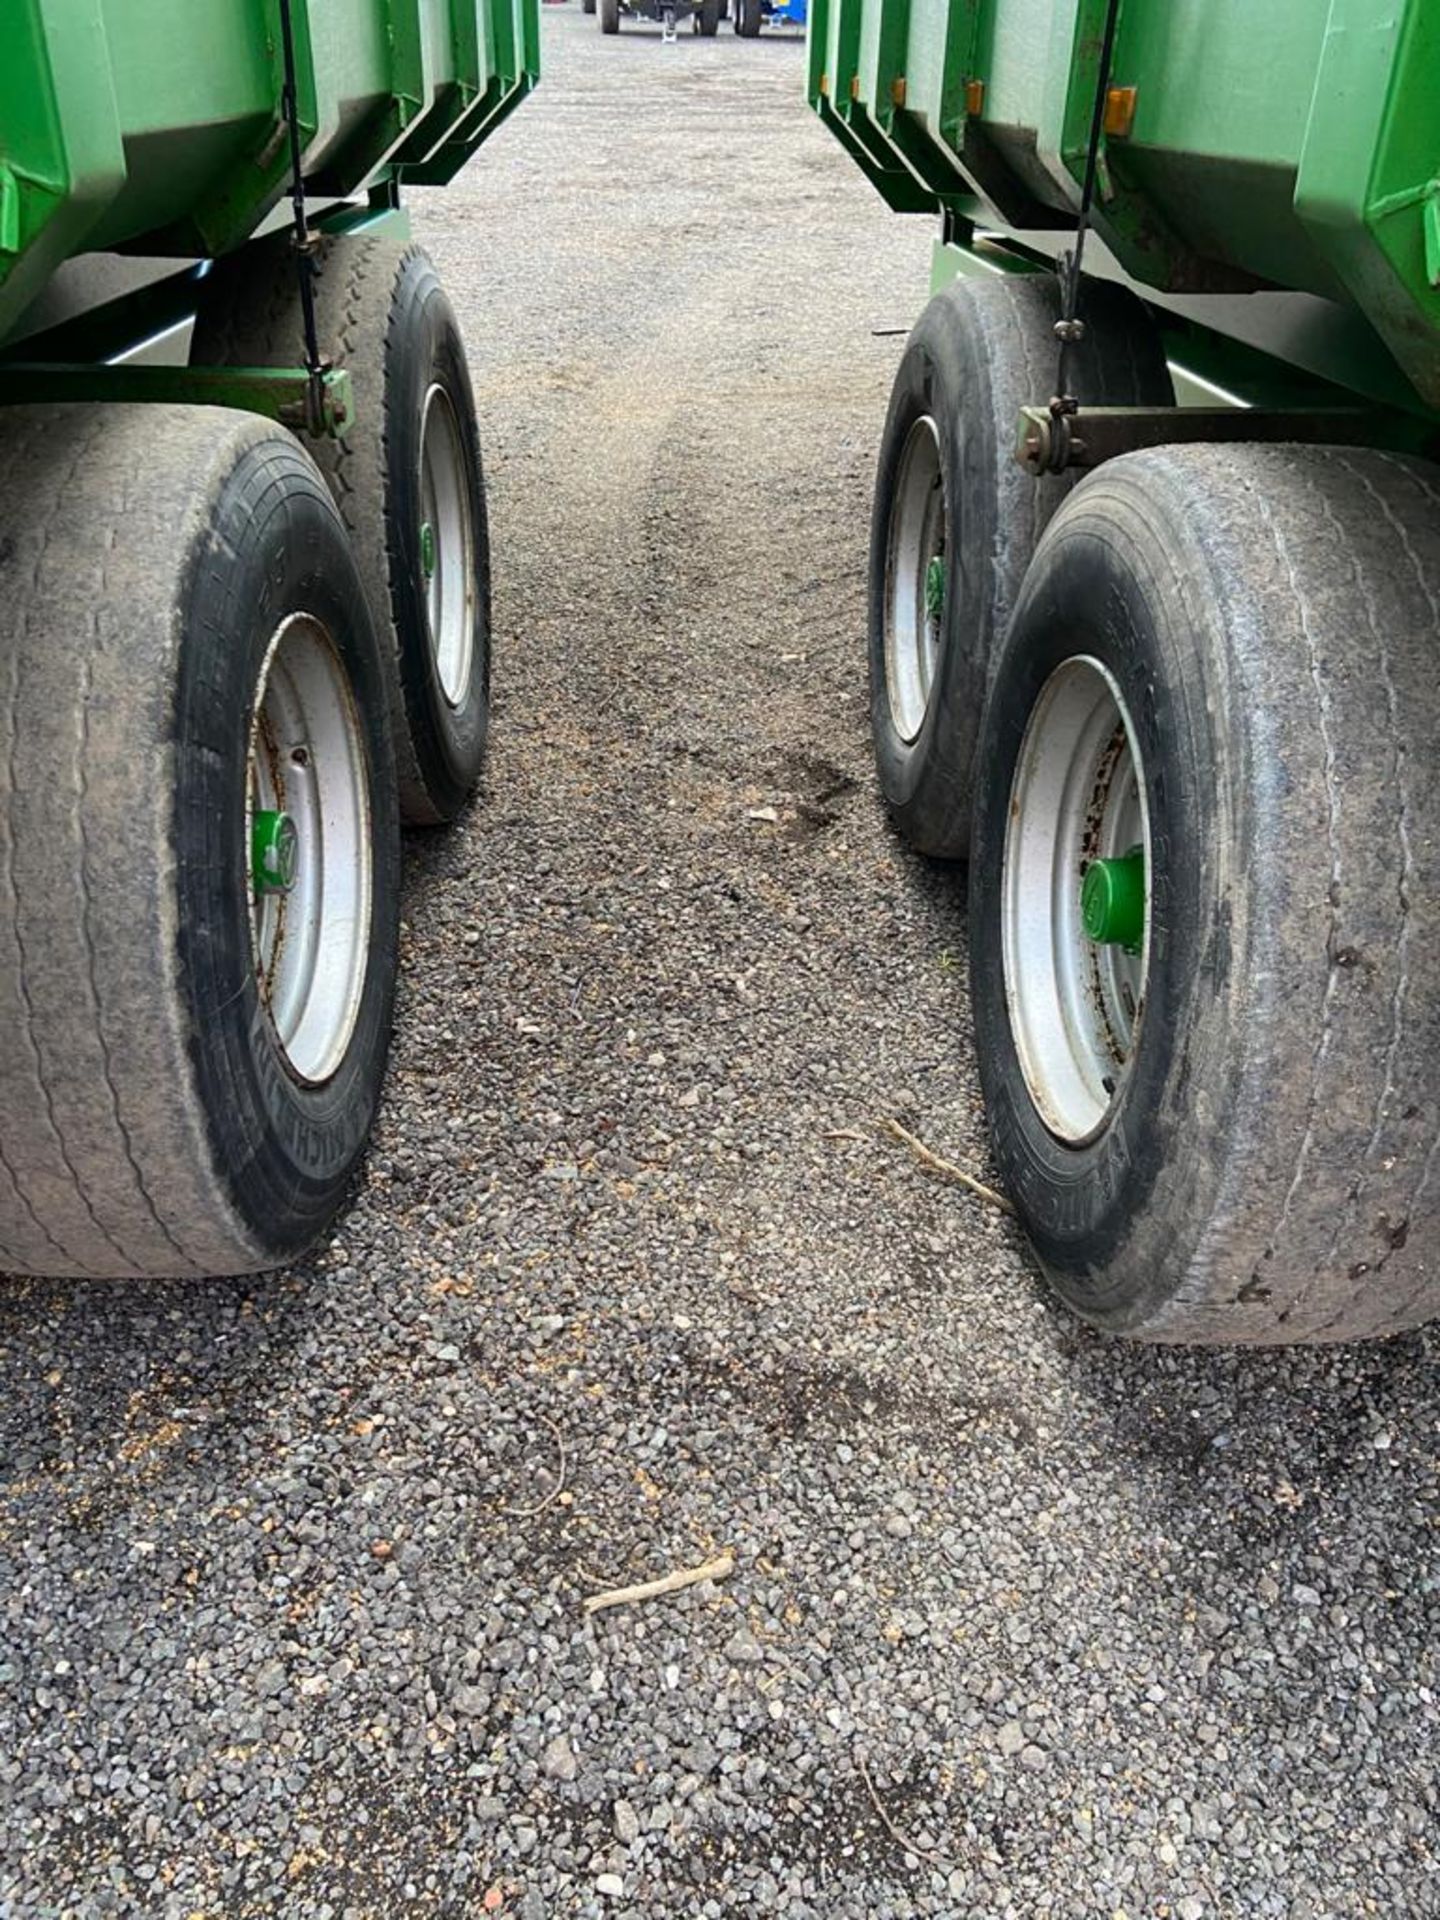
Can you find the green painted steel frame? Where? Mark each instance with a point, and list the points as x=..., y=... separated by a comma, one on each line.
x=280, y=393
x=1348, y=212
x=61, y=148
x=1369, y=173
x=1315, y=362
x=858, y=90
x=91, y=130
x=512, y=53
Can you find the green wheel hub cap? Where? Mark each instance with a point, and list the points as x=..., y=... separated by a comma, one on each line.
x=427, y=548
x=274, y=852
x=1112, y=900
x=935, y=588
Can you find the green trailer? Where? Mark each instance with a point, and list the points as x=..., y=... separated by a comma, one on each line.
x=244, y=598
x=1154, y=625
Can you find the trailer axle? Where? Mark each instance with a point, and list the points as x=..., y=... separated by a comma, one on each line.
x=1048, y=442
x=286, y=394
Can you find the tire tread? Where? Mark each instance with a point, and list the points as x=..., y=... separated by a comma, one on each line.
x=104, y=1150
x=1296, y=645
x=250, y=320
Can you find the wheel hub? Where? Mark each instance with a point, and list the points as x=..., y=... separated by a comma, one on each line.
x=1112, y=900
x=1075, y=899
x=308, y=839
x=914, y=604
x=447, y=545
x=274, y=851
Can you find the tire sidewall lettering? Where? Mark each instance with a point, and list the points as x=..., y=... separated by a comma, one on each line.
x=319, y=1142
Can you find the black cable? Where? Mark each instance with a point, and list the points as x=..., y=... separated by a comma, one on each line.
x=300, y=240
x=1068, y=328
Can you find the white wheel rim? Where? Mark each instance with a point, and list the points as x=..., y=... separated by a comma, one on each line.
x=447, y=546
x=1078, y=795
x=915, y=550
x=311, y=941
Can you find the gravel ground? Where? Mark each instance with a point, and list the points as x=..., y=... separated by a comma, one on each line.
x=1021, y=1623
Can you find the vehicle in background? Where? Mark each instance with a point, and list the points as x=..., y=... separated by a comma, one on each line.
x=704, y=15
x=751, y=15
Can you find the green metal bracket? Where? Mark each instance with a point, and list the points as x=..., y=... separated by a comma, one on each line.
x=9, y=211
x=817, y=39
x=279, y=393
x=433, y=154
x=908, y=191
x=897, y=186
x=981, y=260
x=392, y=221
x=887, y=66
x=498, y=101
x=960, y=66
x=453, y=101
x=1432, y=234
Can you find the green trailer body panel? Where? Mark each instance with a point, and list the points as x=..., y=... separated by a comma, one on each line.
x=1293, y=146
x=155, y=125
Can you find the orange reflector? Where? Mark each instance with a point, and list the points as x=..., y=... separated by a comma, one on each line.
x=1119, y=112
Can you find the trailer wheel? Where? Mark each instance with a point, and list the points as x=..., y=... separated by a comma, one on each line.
x=587, y=6
x=956, y=519
x=609, y=16
x=406, y=476
x=199, y=860
x=707, y=18
x=1205, y=896
x=747, y=18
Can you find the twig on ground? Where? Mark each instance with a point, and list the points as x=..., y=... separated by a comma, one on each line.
x=946, y=1168
x=718, y=1569
x=529, y=1513
x=843, y=1133
x=907, y=1846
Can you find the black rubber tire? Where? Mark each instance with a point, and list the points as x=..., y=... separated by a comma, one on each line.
x=1265, y=1175
x=609, y=16
x=980, y=351
x=587, y=6
x=747, y=18
x=382, y=315
x=707, y=18
x=148, y=1122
